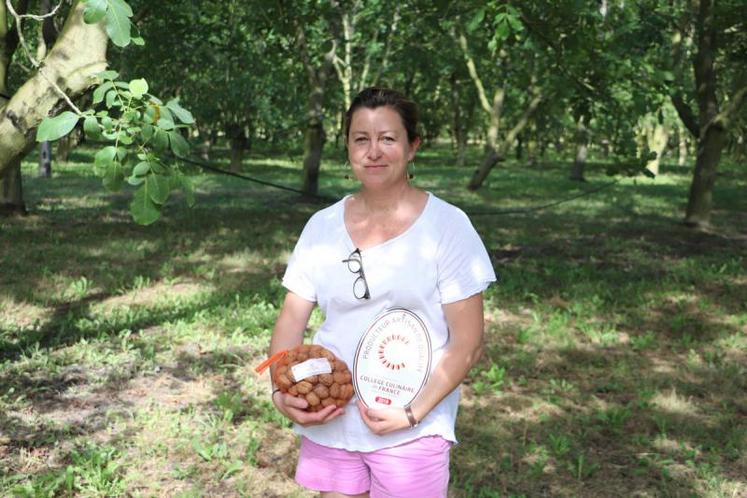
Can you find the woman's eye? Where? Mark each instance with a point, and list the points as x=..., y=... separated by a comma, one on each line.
x=360, y=140
x=389, y=139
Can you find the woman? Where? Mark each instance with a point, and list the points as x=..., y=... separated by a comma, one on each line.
x=409, y=250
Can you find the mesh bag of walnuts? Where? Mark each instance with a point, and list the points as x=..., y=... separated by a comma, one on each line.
x=314, y=373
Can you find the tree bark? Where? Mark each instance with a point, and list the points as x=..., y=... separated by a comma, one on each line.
x=582, y=151
x=712, y=135
x=11, y=186
x=313, y=142
x=239, y=145
x=700, y=201
x=459, y=128
x=682, y=147
x=495, y=154
x=45, y=160
x=79, y=53
x=11, y=191
x=657, y=142
x=67, y=143
x=488, y=163
x=314, y=136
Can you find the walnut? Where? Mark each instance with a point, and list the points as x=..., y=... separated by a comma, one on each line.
x=320, y=390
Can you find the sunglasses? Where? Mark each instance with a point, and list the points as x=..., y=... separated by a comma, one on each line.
x=355, y=265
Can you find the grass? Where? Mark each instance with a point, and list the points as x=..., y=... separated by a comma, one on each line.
x=614, y=362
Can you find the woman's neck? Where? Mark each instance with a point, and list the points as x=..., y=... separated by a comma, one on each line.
x=383, y=201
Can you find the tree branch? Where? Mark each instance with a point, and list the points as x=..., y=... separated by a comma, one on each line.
x=724, y=118
x=472, y=68
x=79, y=52
x=523, y=120
x=36, y=63
x=685, y=113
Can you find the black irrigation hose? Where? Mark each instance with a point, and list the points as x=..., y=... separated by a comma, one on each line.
x=543, y=206
x=330, y=199
x=256, y=180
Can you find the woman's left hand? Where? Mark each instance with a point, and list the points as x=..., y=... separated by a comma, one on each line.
x=383, y=420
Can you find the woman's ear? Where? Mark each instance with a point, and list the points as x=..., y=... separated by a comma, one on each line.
x=414, y=146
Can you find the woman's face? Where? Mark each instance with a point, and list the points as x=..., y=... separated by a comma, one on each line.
x=378, y=148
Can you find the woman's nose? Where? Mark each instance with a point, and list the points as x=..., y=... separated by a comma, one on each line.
x=373, y=149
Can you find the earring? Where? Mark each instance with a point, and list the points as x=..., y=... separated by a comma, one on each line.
x=410, y=174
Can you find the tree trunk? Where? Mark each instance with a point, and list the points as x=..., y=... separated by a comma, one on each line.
x=45, y=160
x=579, y=164
x=488, y=163
x=657, y=143
x=313, y=146
x=11, y=191
x=80, y=52
x=519, y=148
x=582, y=149
x=682, y=147
x=313, y=141
x=459, y=128
x=66, y=144
x=239, y=144
x=698, y=213
x=712, y=136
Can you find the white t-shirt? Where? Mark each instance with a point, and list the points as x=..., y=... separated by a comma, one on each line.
x=438, y=260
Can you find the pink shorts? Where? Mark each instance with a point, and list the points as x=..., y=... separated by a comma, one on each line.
x=419, y=468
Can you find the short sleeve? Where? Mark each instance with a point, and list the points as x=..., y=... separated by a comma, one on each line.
x=298, y=277
x=464, y=267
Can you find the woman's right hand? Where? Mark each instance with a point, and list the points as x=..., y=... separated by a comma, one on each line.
x=295, y=409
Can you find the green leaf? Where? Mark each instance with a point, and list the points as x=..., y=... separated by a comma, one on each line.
x=124, y=138
x=110, y=96
x=136, y=180
x=98, y=94
x=502, y=30
x=114, y=177
x=146, y=133
x=138, y=40
x=141, y=169
x=105, y=156
x=144, y=211
x=56, y=127
x=179, y=146
x=165, y=124
x=107, y=123
x=160, y=140
x=159, y=188
x=188, y=189
x=158, y=168
x=515, y=23
x=103, y=159
x=118, y=22
x=181, y=113
x=95, y=11
x=138, y=87
x=91, y=127
x=476, y=20
x=107, y=75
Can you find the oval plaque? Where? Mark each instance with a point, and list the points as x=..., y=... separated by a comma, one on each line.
x=393, y=359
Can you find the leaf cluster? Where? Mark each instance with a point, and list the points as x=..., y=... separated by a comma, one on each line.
x=141, y=132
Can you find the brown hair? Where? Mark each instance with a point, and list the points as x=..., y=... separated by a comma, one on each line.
x=374, y=97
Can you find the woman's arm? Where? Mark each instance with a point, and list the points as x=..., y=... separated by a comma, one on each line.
x=287, y=334
x=466, y=322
